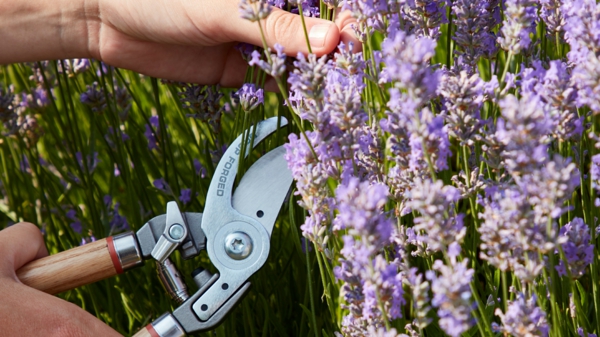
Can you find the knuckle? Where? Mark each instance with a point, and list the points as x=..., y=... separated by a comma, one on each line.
x=280, y=27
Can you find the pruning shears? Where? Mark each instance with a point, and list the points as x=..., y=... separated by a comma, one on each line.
x=235, y=229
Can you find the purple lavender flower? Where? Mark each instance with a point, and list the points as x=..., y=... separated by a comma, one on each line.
x=523, y=131
x=118, y=222
x=275, y=64
x=407, y=59
x=254, y=10
x=310, y=8
x=425, y=17
x=245, y=50
x=309, y=76
x=556, y=91
x=428, y=141
x=595, y=176
x=360, y=209
x=90, y=164
x=420, y=295
x=80, y=65
x=586, y=77
x=438, y=221
x=76, y=223
x=276, y=3
x=371, y=286
x=343, y=102
x=550, y=186
x=553, y=17
x=511, y=235
x=523, y=318
x=94, y=97
x=37, y=99
x=151, y=132
x=74, y=66
x=452, y=296
x=199, y=169
x=123, y=102
x=87, y=240
x=311, y=181
x=203, y=101
x=582, y=333
x=249, y=96
x=370, y=15
x=463, y=97
x=186, y=196
x=24, y=165
x=7, y=105
x=348, y=62
x=519, y=22
x=581, y=32
x=107, y=201
x=474, y=36
x=162, y=185
x=581, y=29
x=577, y=248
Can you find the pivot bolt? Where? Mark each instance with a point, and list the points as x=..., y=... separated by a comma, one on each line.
x=238, y=245
x=176, y=231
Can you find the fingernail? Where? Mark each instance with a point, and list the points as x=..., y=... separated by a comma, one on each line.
x=317, y=35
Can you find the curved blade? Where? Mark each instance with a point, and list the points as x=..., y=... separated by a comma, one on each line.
x=263, y=188
x=218, y=210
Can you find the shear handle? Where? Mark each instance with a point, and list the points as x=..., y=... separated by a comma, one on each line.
x=83, y=265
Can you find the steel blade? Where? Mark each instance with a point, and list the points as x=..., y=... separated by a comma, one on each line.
x=217, y=210
x=263, y=188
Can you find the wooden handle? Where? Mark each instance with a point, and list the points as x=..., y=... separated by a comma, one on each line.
x=72, y=268
x=147, y=331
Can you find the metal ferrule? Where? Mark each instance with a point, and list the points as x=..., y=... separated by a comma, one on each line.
x=128, y=251
x=167, y=326
x=171, y=279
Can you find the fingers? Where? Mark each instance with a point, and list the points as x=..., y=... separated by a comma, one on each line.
x=286, y=29
x=20, y=244
x=344, y=21
x=28, y=312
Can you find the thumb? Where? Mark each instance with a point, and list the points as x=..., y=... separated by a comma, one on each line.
x=286, y=29
x=20, y=244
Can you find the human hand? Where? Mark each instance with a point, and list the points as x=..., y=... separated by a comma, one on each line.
x=184, y=40
x=25, y=311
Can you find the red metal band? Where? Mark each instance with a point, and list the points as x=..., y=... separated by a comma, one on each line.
x=151, y=330
x=113, y=255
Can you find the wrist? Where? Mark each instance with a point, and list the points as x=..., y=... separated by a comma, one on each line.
x=33, y=30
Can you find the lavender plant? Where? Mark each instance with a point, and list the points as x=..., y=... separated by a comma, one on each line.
x=446, y=175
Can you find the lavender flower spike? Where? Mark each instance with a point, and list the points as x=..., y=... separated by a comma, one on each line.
x=434, y=202
x=523, y=318
x=577, y=248
x=250, y=96
x=275, y=66
x=519, y=22
x=254, y=10
x=452, y=296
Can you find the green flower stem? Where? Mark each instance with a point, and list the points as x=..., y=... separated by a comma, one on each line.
x=326, y=284
x=301, y=12
x=310, y=288
x=284, y=92
x=504, y=290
